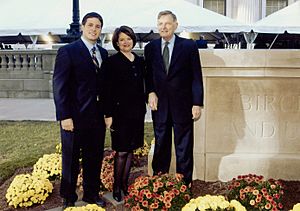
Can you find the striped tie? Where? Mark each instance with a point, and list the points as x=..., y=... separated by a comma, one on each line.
x=95, y=60
x=96, y=63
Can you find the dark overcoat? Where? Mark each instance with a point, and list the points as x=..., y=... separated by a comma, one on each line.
x=77, y=88
x=125, y=100
x=182, y=87
x=76, y=85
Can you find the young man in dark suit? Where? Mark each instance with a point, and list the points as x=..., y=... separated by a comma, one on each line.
x=174, y=85
x=77, y=93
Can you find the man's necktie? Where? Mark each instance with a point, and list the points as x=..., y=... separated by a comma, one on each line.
x=166, y=56
x=95, y=60
x=96, y=63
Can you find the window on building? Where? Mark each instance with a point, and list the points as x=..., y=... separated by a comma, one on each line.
x=275, y=5
x=215, y=5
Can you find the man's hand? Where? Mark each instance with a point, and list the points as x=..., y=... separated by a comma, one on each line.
x=196, y=111
x=152, y=101
x=108, y=122
x=67, y=124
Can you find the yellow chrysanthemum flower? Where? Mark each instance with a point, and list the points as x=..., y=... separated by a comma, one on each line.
x=49, y=166
x=296, y=207
x=203, y=203
x=142, y=151
x=26, y=190
x=89, y=207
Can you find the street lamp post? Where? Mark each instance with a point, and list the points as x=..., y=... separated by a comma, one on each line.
x=74, y=32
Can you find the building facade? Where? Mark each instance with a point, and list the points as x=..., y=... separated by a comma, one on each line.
x=247, y=11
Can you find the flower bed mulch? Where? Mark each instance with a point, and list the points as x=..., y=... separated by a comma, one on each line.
x=200, y=188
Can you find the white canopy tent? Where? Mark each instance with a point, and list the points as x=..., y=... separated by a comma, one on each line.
x=284, y=20
x=36, y=17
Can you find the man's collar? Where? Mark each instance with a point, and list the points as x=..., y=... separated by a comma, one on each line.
x=87, y=43
x=171, y=41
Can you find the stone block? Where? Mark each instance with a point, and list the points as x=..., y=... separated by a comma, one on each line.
x=281, y=72
x=199, y=134
x=3, y=94
x=25, y=74
x=11, y=84
x=228, y=58
x=224, y=167
x=257, y=115
x=234, y=72
x=283, y=58
x=36, y=85
x=199, y=166
x=24, y=94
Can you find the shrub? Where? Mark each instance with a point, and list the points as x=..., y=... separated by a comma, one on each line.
x=107, y=172
x=296, y=207
x=255, y=193
x=139, y=153
x=213, y=203
x=26, y=190
x=89, y=207
x=49, y=166
x=161, y=192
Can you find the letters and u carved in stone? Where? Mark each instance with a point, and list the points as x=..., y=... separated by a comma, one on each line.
x=278, y=116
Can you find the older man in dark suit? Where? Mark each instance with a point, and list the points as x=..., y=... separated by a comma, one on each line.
x=174, y=84
x=77, y=95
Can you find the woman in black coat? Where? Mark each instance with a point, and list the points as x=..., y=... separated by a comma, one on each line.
x=124, y=104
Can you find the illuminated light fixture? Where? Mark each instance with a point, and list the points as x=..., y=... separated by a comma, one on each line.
x=109, y=37
x=185, y=34
x=47, y=38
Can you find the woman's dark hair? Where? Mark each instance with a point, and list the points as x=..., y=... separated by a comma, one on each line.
x=92, y=15
x=126, y=30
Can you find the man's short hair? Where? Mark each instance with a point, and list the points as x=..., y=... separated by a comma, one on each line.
x=167, y=12
x=92, y=15
x=126, y=30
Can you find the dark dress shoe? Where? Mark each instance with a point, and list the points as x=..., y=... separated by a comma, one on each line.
x=125, y=190
x=67, y=203
x=117, y=196
x=95, y=200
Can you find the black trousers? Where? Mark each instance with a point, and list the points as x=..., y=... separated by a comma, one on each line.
x=86, y=143
x=184, y=143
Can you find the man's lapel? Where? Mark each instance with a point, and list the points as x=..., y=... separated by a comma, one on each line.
x=159, y=56
x=85, y=54
x=102, y=53
x=175, y=53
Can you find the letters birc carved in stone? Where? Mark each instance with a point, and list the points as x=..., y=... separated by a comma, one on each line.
x=269, y=103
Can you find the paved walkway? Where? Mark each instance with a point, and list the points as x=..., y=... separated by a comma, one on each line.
x=27, y=109
x=32, y=109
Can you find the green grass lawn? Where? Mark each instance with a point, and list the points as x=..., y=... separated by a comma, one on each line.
x=22, y=143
